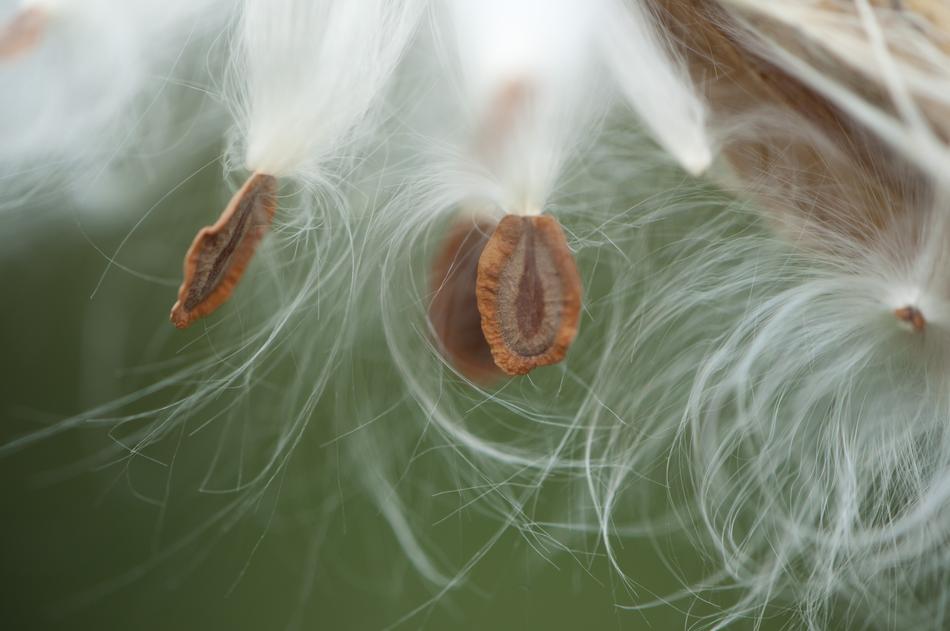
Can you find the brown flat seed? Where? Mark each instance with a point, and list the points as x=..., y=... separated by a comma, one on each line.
x=912, y=316
x=529, y=293
x=219, y=254
x=453, y=311
x=23, y=32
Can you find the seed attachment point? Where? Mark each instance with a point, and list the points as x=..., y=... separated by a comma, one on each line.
x=529, y=293
x=219, y=254
x=912, y=316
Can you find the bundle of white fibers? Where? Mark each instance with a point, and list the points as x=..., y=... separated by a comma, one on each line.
x=655, y=80
x=307, y=74
x=524, y=83
x=817, y=428
x=762, y=362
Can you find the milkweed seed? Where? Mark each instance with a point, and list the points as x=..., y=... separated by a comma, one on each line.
x=529, y=293
x=219, y=254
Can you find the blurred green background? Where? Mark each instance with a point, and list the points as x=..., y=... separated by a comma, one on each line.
x=139, y=542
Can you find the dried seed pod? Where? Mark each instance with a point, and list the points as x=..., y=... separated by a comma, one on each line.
x=23, y=32
x=529, y=293
x=453, y=311
x=219, y=254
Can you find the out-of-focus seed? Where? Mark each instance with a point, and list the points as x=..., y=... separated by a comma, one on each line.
x=453, y=311
x=23, y=32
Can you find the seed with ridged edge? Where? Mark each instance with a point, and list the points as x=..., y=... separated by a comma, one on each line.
x=529, y=293
x=453, y=311
x=219, y=254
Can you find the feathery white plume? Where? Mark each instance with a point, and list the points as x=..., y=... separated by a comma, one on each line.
x=309, y=74
x=656, y=82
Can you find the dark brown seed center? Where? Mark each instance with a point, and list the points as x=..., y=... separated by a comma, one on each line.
x=530, y=294
x=221, y=247
x=529, y=302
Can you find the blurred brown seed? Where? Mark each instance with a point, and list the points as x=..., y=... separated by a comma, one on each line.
x=453, y=311
x=912, y=316
x=23, y=32
x=220, y=253
x=529, y=293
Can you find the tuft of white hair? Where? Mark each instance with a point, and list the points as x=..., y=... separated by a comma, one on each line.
x=308, y=74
